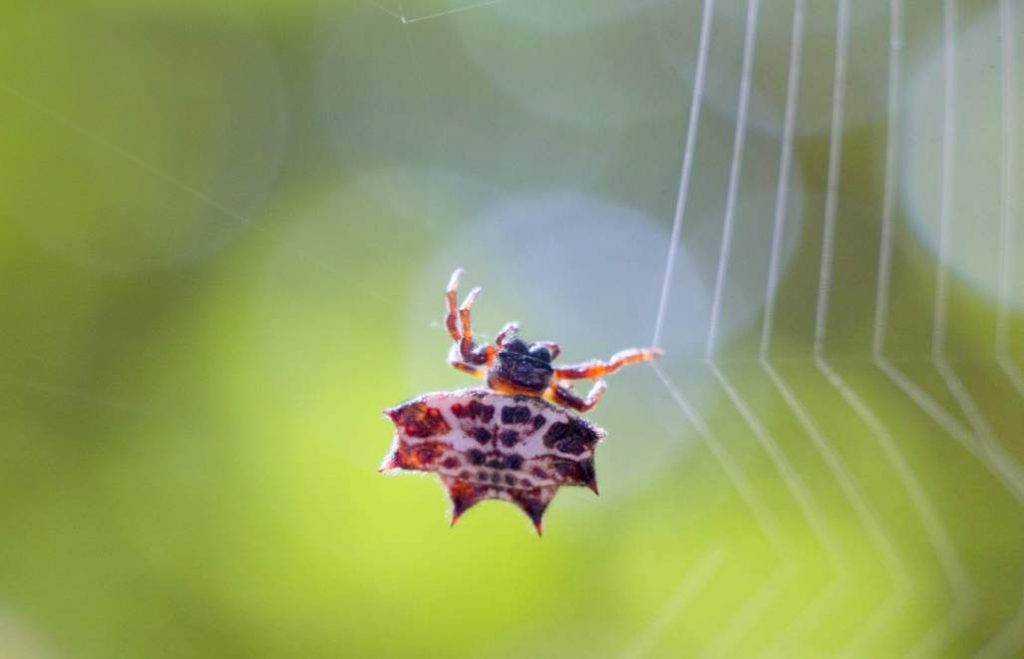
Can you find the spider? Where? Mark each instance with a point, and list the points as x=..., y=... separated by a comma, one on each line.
x=513, y=366
x=519, y=439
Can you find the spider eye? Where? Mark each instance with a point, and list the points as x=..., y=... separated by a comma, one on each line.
x=516, y=345
x=541, y=353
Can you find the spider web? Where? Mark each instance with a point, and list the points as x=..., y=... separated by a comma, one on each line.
x=977, y=437
x=929, y=558
x=844, y=402
x=414, y=12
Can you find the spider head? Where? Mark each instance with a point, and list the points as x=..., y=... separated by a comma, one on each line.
x=521, y=367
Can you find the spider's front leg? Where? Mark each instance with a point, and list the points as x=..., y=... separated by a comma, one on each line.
x=564, y=395
x=506, y=332
x=595, y=369
x=457, y=321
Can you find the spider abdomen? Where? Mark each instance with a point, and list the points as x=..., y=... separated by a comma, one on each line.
x=488, y=445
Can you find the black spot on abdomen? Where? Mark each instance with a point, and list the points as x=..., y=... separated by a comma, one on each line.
x=573, y=437
x=515, y=414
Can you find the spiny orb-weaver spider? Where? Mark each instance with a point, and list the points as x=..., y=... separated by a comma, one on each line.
x=517, y=439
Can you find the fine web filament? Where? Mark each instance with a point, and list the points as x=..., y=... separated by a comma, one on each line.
x=764, y=518
x=759, y=601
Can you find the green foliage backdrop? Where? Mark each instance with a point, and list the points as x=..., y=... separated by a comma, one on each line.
x=224, y=232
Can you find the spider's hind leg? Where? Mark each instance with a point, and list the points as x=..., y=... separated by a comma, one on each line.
x=564, y=395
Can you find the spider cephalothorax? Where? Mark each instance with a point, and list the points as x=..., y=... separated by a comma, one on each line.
x=514, y=440
x=516, y=367
x=520, y=367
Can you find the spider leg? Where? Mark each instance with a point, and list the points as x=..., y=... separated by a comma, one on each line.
x=564, y=395
x=470, y=351
x=456, y=362
x=475, y=371
x=507, y=331
x=451, y=321
x=466, y=345
x=595, y=369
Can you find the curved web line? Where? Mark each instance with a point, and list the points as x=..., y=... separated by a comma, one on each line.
x=400, y=15
x=1008, y=88
x=991, y=456
x=1010, y=639
x=1000, y=464
x=687, y=168
x=689, y=587
x=758, y=602
x=964, y=605
x=976, y=419
x=764, y=518
x=824, y=601
x=869, y=519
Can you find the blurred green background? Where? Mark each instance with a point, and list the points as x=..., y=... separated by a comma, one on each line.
x=225, y=228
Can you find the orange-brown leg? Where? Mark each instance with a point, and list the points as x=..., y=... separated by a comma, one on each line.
x=564, y=395
x=471, y=353
x=451, y=321
x=455, y=361
x=475, y=371
x=596, y=369
x=466, y=345
x=507, y=331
